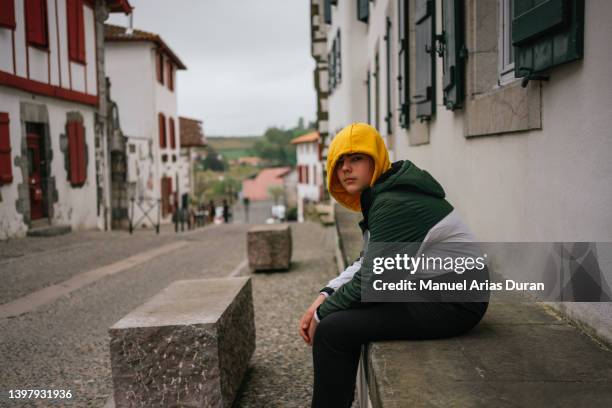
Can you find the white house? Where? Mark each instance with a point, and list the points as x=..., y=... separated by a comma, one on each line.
x=309, y=171
x=53, y=162
x=142, y=71
x=507, y=104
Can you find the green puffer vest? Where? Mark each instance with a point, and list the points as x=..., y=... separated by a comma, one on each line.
x=402, y=206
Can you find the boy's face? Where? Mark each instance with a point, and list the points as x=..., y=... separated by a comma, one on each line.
x=355, y=171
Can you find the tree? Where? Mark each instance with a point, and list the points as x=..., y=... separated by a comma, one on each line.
x=213, y=161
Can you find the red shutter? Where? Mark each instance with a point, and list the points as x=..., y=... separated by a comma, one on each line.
x=160, y=67
x=82, y=163
x=36, y=22
x=76, y=30
x=76, y=153
x=170, y=76
x=171, y=135
x=6, y=167
x=7, y=16
x=162, y=130
x=73, y=153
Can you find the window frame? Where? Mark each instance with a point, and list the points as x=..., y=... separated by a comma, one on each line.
x=505, y=49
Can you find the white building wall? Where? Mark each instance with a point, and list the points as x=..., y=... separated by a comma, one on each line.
x=75, y=206
x=166, y=103
x=347, y=100
x=50, y=66
x=553, y=184
x=308, y=155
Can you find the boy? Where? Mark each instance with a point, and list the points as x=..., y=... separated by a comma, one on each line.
x=399, y=203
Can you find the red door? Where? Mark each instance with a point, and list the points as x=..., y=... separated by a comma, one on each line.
x=35, y=182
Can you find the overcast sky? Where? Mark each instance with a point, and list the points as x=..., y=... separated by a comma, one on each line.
x=248, y=61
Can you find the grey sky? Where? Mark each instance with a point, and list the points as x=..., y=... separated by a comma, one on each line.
x=248, y=61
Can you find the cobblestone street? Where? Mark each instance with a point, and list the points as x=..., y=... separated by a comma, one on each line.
x=64, y=344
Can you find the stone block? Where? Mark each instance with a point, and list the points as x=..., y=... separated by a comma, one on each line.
x=188, y=346
x=269, y=247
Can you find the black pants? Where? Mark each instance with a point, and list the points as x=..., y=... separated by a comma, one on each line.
x=338, y=339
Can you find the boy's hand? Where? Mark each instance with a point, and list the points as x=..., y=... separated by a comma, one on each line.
x=305, y=323
x=311, y=331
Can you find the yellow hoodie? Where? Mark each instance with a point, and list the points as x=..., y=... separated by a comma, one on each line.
x=355, y=138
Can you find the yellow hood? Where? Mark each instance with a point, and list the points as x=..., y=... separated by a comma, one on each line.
x=355, y=138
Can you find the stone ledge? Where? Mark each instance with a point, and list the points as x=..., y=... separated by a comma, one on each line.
x=520, y=354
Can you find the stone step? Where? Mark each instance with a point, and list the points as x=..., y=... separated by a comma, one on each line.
x=49, y=230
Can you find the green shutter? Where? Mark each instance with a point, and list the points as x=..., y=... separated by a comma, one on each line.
x=546, y=33
x=327, y=17
x=454, y=53
x=424, y=93
x=403, y=75
x=389, y=115
x=369, y=97
x=338, y=58
x=363, y=10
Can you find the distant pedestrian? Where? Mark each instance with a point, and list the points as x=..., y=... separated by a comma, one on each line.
x=246, y=202
x=226, y=212
x=211, y=211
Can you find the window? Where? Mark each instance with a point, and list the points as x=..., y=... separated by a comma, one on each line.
x=76, y=153
x=7, y=17
x=170, y=76
x=327, y=17
x=171, y=133
x=36, y=23
x=6, y=165
x=159, y=58
x=506, y=50
x=76, y=30
x=334, y=63
x=363, y=10
x=161, y=123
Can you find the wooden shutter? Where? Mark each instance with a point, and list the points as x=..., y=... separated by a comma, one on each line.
x=369, y=97
x=7, y=16
x=338, y=59
x=159, y=57
x=171, y=133
x=6, y=166
x=363, y=10
x=161, y=123
x=170, y=76
x=403, y=75
x=424, y=93
x=82, y=166
x=546, y=33
x=389, y=115
x=36, y=22
x=454, y=53
x=76, y=30
x=376, y=92
x=327, y=17
x=76, y=153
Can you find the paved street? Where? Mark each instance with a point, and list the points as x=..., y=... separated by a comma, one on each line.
x=64, y=344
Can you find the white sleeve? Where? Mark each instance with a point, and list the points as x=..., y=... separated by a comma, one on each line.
x=346, y=275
